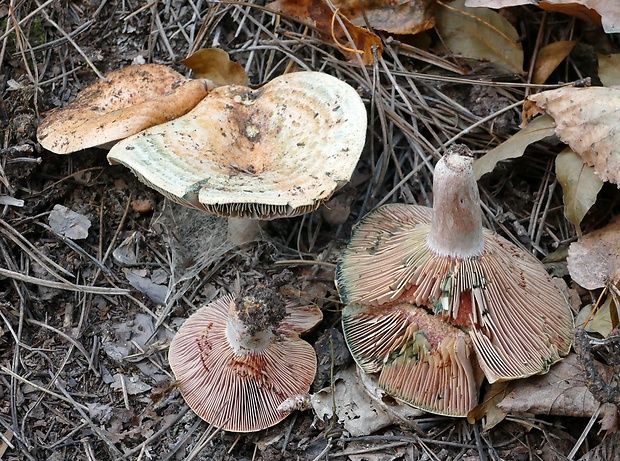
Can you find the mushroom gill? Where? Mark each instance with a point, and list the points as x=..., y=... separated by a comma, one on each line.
x=237, y=359
x=517, y=321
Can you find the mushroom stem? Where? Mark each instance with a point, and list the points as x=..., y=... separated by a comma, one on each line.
x=252, y=320
x=243, y=230
x=456, y=225
x=242, y=341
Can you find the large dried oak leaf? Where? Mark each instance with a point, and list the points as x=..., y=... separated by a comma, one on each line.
x=588, y=120
x=593, y=261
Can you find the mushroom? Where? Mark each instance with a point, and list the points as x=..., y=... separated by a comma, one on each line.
x=422, y=359
x=237, y=359
x=416, y=279
x=277, y=151
x=125, y=103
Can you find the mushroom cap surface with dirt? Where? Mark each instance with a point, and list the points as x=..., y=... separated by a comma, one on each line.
x=276, y=151
x=237, y=359
x=410, y=268
x=126, y=102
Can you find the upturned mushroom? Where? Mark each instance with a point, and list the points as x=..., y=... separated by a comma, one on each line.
x=277, y=151
x=431, y=297
x=125, y=103
x=237, y=359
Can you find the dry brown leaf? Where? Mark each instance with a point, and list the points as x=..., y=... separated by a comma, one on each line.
x=580, y=185
x=549, y=58
x=587, y=120
x=515, y=146
x=600, y=322
x=214, y=64
x=479, y=33
x=488, y=411
x=561, y=392
x=609, y=69
x=605, y=12
x=318, y=13
x=594, y=260
x=402, y=17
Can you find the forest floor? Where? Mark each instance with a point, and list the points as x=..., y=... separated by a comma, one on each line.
x=85, y=323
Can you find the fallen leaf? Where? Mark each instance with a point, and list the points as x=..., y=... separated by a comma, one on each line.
x=157, y=293
x=549, y=58
x=318, y=13
x=587, y=120
x=561, y=392
x=214, y=64
x=603, y=12
x=580, y=185
x=488, y=411
x=355, y=409
x=68, y=223
x=479, y=33
x=600, y=322
x=402, y=17
x=515, y=146
x=609, y=69
x=609, y=421
x=594, y=260
x=132, y=384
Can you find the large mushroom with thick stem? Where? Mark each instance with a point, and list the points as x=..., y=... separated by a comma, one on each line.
x=255, y=154
x=126, y=102
x=432, y=298
x=237, y=359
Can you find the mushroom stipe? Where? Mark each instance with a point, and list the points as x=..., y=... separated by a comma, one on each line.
x=436, y=282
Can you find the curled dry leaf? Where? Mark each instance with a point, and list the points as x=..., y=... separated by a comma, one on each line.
x=594, y=261
x=609, y=69
x=587, y=120
x=479, y=33
x=599, y=322
x=361, y=406
x=580, y=185
x=318, y=14
x=487, y=410
x=549, y=58
x=515, y=146
x=561, y=392
x=215, y=65
x=603, y=12
x=404, y=17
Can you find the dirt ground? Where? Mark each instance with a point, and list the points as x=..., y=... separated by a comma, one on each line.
x=85, y=322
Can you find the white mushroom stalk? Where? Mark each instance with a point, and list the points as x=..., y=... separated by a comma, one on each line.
x=456, y=225
x=403, y=258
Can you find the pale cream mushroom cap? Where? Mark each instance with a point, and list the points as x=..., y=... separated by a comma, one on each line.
x=241, y=392
x=518, y=322
x=125, y=103
x=276, y=151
